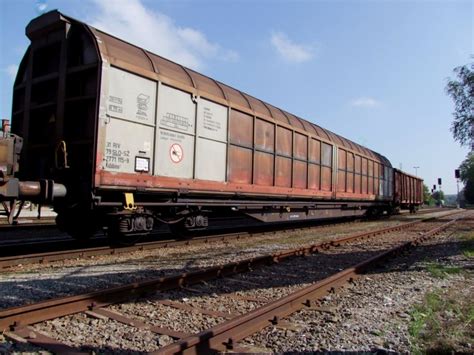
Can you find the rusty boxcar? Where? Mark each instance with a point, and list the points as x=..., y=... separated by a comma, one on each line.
x=408, y=190
x=135, y=138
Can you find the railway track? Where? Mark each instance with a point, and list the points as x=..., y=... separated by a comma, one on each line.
x=103, y=250
x=224, y=336
x=58, y=249
x=99, y=246
x=47, y=242
x=24, y=223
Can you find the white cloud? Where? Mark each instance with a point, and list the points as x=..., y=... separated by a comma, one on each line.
x=289, y=50
x=41, y=6
x=365, y=102
x=11, y=70
x=158, y=33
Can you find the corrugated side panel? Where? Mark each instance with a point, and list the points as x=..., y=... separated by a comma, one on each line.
x=314, y=177
x=283, y=172
x=240, y=165
x=130, y=108
x=263, y=169
x=176, y=116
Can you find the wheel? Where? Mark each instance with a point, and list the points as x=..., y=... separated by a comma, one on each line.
x=187, y=227
x=128, y=230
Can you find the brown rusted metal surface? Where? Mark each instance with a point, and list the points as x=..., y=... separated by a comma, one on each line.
x=278, y=114
x=263, y=169
x=241, y=128
x=31, y=336
x=300, y=174
x=408, y=189
x=239, y=165
x=101, y=312
x=314, y=177
x=315, y=151
x=236, y=98
x=264, y=135
x=326, y=178
x=283, y=172
x=301, y=147
x=284, y=141
x=224, y=336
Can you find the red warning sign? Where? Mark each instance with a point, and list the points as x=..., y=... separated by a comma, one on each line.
x=176, y=153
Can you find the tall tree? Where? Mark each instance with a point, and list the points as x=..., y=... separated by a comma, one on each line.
x=438, y=196
x=467, y=177
x=427, y=198
x=462, y=92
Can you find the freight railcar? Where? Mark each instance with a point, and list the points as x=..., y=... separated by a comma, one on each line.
x=135, y=138
x=408, y=190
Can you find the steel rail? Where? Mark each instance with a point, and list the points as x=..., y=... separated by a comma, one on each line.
x=28, y=222
x=226, y=335
x=39, y=258
x=21, y=316
x=28, y=259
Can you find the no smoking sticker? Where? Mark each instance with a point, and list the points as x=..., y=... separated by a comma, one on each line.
x=176, y=153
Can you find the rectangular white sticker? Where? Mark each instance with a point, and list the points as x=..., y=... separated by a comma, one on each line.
x=142, y=164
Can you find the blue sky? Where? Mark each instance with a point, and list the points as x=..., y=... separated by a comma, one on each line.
x=372, y=71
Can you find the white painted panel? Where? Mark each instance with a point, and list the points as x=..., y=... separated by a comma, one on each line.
x=176, y=110
x=212, y=120
x=174, y=154
x=131, y=97
x=210, y=160
x=124, y=141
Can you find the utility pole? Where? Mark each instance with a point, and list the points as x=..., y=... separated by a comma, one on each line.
x=416, y=170
x=457, y=175
x=439, y=184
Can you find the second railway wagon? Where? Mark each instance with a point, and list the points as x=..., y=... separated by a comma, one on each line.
x=137, y=138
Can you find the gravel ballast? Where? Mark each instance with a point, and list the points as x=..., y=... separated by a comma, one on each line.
x=374, y=313
x=32, y=283
x=269, y=283
x=266, y=284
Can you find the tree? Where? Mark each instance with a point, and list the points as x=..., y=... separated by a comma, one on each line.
x=462, y=92
x=438, y=196
x=469, y=191
x=467, y=177
x=427, y=198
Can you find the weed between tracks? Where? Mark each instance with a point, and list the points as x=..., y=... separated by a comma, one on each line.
x=443, y=321
x=441, y=271
x=467, y=245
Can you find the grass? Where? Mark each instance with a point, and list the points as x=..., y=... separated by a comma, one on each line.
x=467, y=245
x=441, y=271
x=443, y=322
